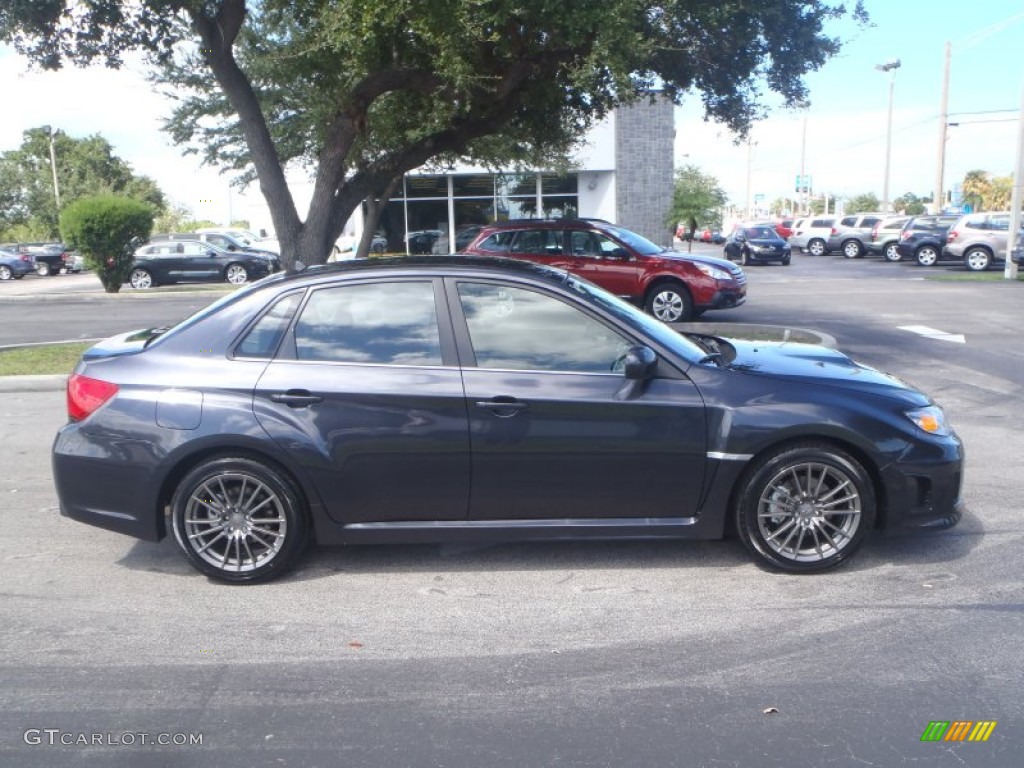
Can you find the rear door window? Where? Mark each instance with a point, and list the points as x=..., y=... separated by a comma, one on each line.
x=539, y=242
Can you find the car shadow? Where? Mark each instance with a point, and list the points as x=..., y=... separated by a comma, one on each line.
x=318, y=562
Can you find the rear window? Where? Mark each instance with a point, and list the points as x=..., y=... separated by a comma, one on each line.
x=822, y=222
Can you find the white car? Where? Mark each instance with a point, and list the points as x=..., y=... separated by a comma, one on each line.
x=811, y=234
x=248, y=237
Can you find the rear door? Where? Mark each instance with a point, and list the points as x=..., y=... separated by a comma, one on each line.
x=366, y=394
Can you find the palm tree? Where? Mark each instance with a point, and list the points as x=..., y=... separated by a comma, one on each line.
x=976, y=186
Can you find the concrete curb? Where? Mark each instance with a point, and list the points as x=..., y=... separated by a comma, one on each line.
x=56, y=382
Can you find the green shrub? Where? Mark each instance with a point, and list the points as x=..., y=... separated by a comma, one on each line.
x=107, y=229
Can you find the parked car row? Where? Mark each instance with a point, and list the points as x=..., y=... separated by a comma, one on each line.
x=49, y=258
x=977, y=240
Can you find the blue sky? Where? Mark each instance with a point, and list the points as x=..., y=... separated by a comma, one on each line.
x=845, y=124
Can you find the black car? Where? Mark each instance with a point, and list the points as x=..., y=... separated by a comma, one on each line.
x=757, y=244
x=464, y=398
x=179, y=261
x=923, y=238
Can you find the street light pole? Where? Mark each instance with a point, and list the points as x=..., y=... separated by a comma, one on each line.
x=939, y=197
x=890, y=67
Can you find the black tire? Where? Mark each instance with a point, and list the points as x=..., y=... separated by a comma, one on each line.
x=141, y=279
x=237, y=519
x=5, y=272
x=977, y=259
x=852, y=249
x=785, y=261
x=744, y=257
x=43, y=269
x=377, y=248
x=795, y=492
x=670, y=302
x=926, y=256
x=816, y=247
x=891, y=253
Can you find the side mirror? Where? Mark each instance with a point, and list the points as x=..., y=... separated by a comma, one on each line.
x=211, y=253
x=639, y=363
x=638, y=366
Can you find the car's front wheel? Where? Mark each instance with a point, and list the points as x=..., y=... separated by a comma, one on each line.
x=806, y=507
x=977, y=259
x=238, y=519
x=851, y=249
x=892, y=252
x=236, y=274
x=670, y=302
x=141, y=279
x=785, y=260
x=816, y=247
x=926, y=256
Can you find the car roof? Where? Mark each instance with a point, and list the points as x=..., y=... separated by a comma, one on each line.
x=426, y=265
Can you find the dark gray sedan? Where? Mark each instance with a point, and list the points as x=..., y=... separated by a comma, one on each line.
x=757, y=244
x=463, y=398
x=188, y=261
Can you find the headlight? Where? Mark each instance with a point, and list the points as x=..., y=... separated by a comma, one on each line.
x=931, y=419
x=714, y=272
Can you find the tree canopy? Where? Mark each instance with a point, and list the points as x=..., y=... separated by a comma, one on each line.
x=84, y=166
x=359, y=92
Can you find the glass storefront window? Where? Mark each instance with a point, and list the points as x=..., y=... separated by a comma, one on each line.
x=551, y=184
x=426, y=186
x=477, y=185
x=561, y=207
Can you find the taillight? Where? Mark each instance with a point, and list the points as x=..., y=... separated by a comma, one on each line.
x=905, y=234
x=834, y=231
x=26, y=257
x=85, y=395
x=953, y=235
x=874, y=232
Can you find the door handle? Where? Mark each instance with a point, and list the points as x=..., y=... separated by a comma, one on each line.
x=502, y=407
x=296, y=398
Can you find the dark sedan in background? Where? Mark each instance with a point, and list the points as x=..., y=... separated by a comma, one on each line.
x=757, y=244
x=179, y=261
x=460, y=398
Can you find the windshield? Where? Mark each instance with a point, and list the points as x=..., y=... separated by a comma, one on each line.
x=760, y=233
x=641, y=245
x=638, y=320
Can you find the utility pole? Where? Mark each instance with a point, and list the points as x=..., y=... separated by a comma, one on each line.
x=1016, y=198
x=939, y=198
x=53, y=168
x=750, y=164
x=804, y=192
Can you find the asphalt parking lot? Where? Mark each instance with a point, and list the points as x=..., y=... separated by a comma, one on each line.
x=569, y=654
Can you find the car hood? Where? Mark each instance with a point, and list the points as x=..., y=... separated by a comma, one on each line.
x=811, y=363
x=699, y=258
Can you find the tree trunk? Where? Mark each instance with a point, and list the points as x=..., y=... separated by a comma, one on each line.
x=374, y=208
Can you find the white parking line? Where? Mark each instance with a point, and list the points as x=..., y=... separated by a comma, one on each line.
x=931, y=333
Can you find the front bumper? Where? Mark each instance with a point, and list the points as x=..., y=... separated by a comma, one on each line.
x=923, y=489
x=726, y=298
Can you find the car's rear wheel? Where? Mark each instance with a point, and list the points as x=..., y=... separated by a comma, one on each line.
x=239, y=519
x=236, y=274
x=926, y=256
x=892, y=252
x=851, y=249
x=670, y=302
x=806, y=507
x=5, y=272
x=977, y=259
x=42, y=269
x=141, y=279
x=816, y=247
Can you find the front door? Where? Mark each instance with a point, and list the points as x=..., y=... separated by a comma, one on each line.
x=551, y=434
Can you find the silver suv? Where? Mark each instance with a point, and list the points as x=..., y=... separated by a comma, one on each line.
x=852, y=233
x=812, y=234
x=979, y=239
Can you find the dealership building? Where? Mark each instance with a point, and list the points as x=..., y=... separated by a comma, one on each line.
x=622, y=172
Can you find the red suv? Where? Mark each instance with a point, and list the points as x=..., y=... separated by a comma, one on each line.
x=670, y=285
